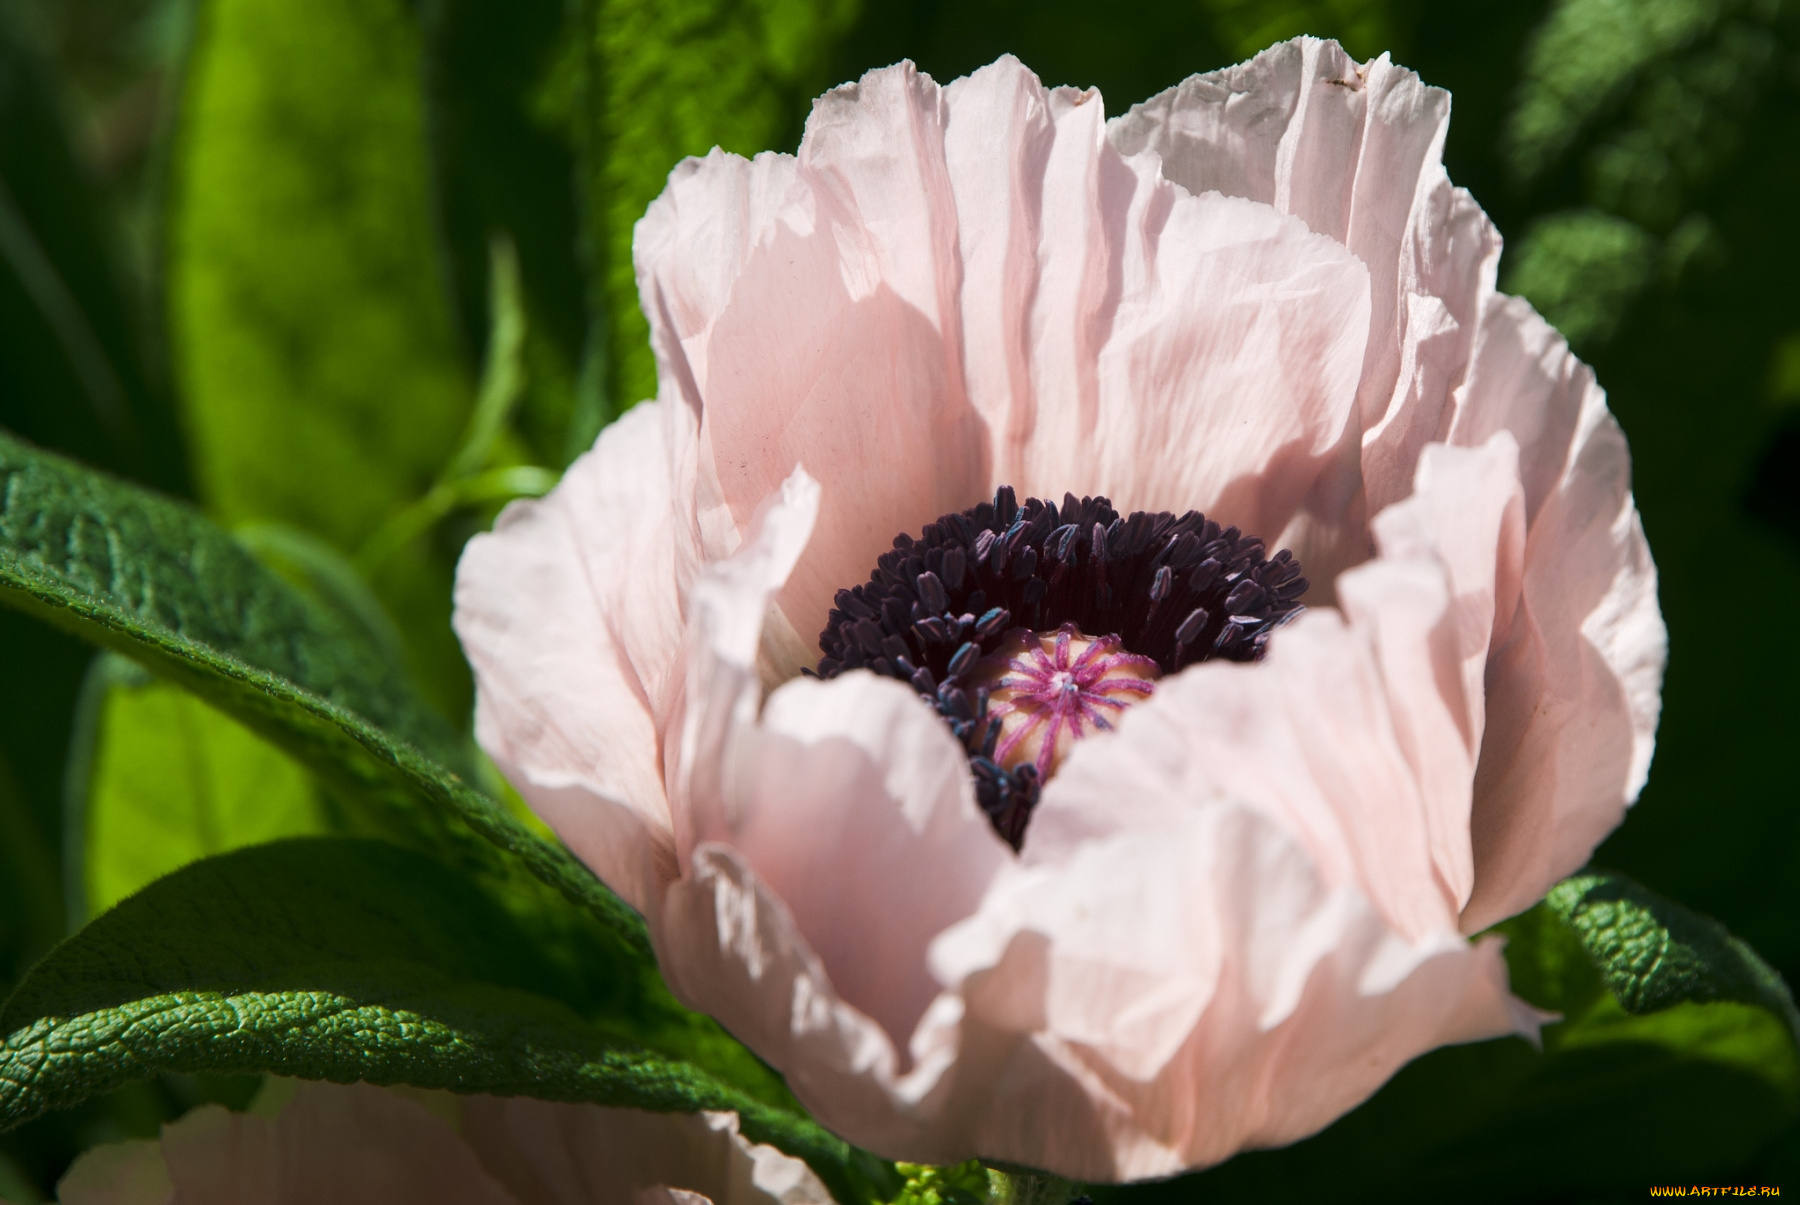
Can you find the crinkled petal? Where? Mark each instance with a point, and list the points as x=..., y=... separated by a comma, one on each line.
x=1293, y=937
x=970, y=286
x=1355, y=150
x=835, y=344
x=853, y=802
x=1128, y=339
x=356, y=1143
x=572, y=613
x=1574, y=681
x=727, y=944
x=561, y=1154
x=1309, y=733
x=1466, y=514
x=1249, y=1003
x=727, y=649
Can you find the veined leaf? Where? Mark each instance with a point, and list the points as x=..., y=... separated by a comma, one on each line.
x=343, y=959
x=1654, y=954
x=1675, y=1059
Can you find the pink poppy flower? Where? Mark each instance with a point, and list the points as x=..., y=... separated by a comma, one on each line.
x=359, y=1145
x=917, y=664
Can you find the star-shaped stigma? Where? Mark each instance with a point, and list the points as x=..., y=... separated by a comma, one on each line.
x=1046, y=691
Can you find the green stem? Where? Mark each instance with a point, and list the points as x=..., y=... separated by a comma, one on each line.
x=1024, y=1186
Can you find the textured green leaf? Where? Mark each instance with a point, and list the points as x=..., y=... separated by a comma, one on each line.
x=341, y=959
x=671, y=78
x=172, y=781
x=1653, y=953
x=156, y=581
x=322, y=374
x=1686, y=1072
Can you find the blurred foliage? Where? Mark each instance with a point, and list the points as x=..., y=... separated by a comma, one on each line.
x=354, y=274
x=311, y=333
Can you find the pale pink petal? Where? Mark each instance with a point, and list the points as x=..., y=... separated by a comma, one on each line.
x=118, y=1173
x=729, y=651
x=1308, y=733
x=1573, y=685
x=1228, y=376
x=836, y=344
x=572, y=614
x=348, y=1144
x=1355, y=151
x=854, y=803
x=1248, y=1004
x=1466, y=514
x=1293, y=939
x=1128, y=339
x=917, y=291
x=850, y=797
x=727, y=944
x=689, y=249
x=567, y=1154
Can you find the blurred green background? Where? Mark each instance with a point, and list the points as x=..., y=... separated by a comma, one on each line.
x=351, y=273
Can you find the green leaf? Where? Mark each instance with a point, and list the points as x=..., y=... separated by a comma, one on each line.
x=672, y=78
x=1654, y=954
x=322, y=373
x=342, y=959
x=1686, y=1072
x=150, y=578
x=173, y=781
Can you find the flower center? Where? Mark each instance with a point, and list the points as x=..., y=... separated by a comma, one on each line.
x=1029, y=627
x=1046, y=691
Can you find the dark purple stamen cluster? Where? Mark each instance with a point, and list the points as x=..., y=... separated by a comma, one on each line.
x=1174, y=589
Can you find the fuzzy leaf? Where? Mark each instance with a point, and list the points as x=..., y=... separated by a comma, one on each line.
x=343, y=959
x=1654, y=954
